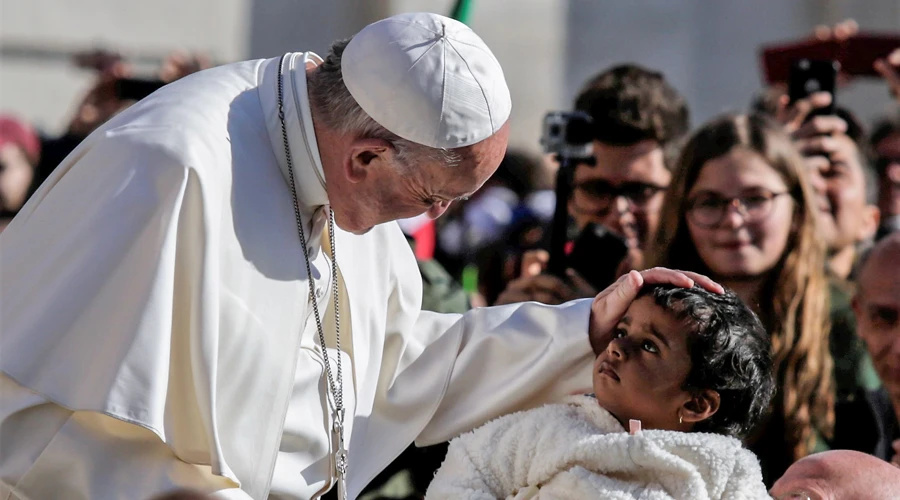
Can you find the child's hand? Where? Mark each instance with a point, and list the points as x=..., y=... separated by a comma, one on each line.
x=610, y=305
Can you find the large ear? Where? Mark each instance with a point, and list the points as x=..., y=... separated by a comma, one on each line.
x=701, y=406
x=364, y=155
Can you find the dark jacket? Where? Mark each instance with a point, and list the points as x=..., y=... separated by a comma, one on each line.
x=866, y=422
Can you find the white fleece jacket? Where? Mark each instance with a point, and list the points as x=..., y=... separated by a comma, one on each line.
x=579, y=450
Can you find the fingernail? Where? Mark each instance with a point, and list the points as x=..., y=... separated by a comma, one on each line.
x=534, y=269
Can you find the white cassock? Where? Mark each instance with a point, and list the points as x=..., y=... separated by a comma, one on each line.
x=157, y=330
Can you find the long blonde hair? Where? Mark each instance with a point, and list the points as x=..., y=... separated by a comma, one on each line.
x=797, y=317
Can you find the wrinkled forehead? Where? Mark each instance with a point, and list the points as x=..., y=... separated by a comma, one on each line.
x=804, y=479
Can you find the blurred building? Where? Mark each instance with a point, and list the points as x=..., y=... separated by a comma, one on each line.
x=708, y=48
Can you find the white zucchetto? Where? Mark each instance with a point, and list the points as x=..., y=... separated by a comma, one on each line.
x=427, y=78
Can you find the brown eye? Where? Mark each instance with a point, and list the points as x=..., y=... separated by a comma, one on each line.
x=650, y=347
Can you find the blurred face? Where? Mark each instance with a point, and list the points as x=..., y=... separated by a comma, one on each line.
x=16, y=174
x=385, y=191
x=623, y=191
x=840, y=187
x=877, y=309
x=641, y=373
x=888, y=159
x=740, y=215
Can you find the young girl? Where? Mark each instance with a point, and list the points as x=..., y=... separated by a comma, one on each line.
x=679, y=360
x=739, y=210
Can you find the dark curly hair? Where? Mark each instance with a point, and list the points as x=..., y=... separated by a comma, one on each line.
x=629, y=104
x=730, y=354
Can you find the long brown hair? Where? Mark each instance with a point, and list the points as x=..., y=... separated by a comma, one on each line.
x=797, y=317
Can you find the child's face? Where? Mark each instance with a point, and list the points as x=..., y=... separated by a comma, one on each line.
x=641, y=372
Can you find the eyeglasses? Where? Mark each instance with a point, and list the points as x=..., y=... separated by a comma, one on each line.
x=708, y=210
x=600, y=194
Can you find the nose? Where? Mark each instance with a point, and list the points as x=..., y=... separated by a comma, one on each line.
x=622, y=205
x=437, y=209
x=734, y=215
x=623, y=216
x=616, y=349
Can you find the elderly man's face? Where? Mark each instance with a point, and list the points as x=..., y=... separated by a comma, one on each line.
x=391, y=192
x=877, y=308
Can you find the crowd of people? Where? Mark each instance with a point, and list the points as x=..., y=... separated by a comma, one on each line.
x=797, y=214
x=774, y=203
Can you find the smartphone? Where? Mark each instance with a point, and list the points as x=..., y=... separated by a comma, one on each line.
x=596, y=255
x=135, y=89
x=809, y=76
x=864, y=49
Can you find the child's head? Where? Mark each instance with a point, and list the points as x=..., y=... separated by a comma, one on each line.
x=687, y=359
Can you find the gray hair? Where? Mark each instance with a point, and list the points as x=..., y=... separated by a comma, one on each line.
x=340, y=111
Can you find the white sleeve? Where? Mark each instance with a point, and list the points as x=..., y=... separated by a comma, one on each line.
x=511, y=358
x=50, y=452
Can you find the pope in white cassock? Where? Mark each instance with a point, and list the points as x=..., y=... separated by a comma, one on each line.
x=166, y=294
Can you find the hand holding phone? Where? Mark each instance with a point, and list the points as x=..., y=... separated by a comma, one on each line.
x=811, y=76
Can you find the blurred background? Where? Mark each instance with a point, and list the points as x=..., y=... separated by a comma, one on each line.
x=709, y=50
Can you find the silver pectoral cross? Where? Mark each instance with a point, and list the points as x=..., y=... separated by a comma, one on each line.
x=340, y=456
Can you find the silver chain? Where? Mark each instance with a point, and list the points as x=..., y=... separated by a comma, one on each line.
x=336, y=387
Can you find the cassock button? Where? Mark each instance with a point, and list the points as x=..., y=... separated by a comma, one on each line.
x=320, y=292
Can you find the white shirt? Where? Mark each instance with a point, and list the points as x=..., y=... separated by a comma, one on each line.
x=156, y=325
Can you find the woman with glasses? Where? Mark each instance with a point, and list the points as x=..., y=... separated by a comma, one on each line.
x=739, y=209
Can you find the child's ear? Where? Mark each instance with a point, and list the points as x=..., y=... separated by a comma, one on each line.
x=701, y=406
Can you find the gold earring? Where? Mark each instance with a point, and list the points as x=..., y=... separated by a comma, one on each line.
x=680, y=417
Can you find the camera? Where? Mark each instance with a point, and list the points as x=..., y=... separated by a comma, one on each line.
x=596, y=255
x=569, y=135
